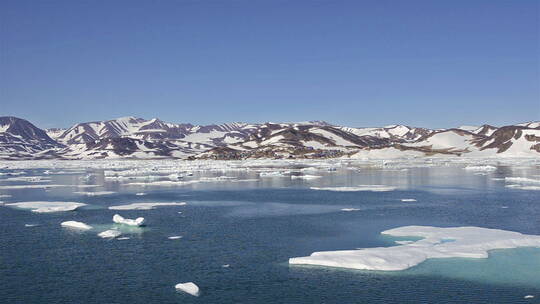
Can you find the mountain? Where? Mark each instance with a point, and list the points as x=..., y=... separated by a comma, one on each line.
x=20, y=139
x=131, y=137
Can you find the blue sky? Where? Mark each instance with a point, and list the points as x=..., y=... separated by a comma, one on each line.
x=357, y=63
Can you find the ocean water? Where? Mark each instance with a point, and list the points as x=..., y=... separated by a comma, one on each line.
x=255, y=226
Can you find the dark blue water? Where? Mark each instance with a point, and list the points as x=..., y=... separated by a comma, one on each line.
x=255, y=227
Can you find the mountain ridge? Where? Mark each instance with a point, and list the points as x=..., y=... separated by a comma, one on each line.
x=132, y=137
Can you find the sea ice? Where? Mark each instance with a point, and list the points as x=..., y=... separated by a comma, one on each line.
x=110, y=234
x=123, y=238
x=176, y=237
x=528, y=297
x=76, y=225
x=523, y=187
x=308, y=177
x=481, y=168
x=458, y=242
x=408, y=200
x=350, y=209
x=189, y=288
x=522, y=180
x=140, y=194
x=144, y=206
x=121, y=220
x=96, y=193
x=45, y=207
x=374, y=188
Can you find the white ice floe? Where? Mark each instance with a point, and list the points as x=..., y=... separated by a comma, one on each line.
x=95, y=193
x=226, y=266
x=121, y=220
x=528, y=297
x=175, y=237
x=458, y=242
x=189, y=288
x=408, y=200
x=4, y=195
x=110, y=234
x=523, y=187
x=30, y=225
x=45, y=207
x=374, y=188
x=76, y=225
x=123, y=238
x=144, y=206
x=350, y=209
x=522, y=180
x=481, y=168
x=140, y=194
x=308, y=177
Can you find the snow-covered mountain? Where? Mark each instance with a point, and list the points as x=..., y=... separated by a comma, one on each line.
x=20, y=139
x=131, y=137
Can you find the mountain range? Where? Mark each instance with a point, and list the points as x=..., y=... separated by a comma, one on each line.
x=131, y=137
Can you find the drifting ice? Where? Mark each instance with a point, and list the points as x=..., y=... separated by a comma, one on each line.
x=110, y=234
x=76, y=225
x=188, y=287
x=374, y=188
x=144, y=206
x=460, y=242
x=121, y=220
x=45, y=207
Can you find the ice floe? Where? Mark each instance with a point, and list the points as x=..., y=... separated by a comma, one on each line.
x=458, y=242
x=523, y=187
x=140, y=194
x=175, y=237
x=144, y=206
x=110, y=234
x=45, y=207
x=189, y=288
x=95, y=193
x=522, y=180
x=123, y=238
x=121, y=220
x=408, y=200
x=308, y=177
x=374, y=188
x=481, y=168
x=528, y=297
x=350, y=209
x=76, y=225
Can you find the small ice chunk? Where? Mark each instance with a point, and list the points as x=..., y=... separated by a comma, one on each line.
x=30, y=225
x=175, y=237
x=123, y=238
x=528, y=297
x=226, y=266
x=140, y=194
x=308, y=177
x=121, y=220
x=76, y=225
x=408, y=200
x=189, y=288
x=350, y=209
x=110, y=234
x=144, y=206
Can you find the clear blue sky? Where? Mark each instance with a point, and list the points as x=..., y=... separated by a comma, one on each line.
x=359, y=63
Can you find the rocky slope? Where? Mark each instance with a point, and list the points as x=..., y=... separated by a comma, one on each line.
x=131, y=137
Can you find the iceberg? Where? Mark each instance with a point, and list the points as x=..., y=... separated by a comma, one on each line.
x=456, y=242
x=110, y=234
x=121, y=220
x=189, y=288
x=76, y=225
x=46, y=207
x=144, y=206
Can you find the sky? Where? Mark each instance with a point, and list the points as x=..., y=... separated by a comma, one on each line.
x=358, y=63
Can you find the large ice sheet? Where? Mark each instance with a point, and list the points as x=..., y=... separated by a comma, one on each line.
x=458, y=242
x=45, y=207
x=145, y=206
